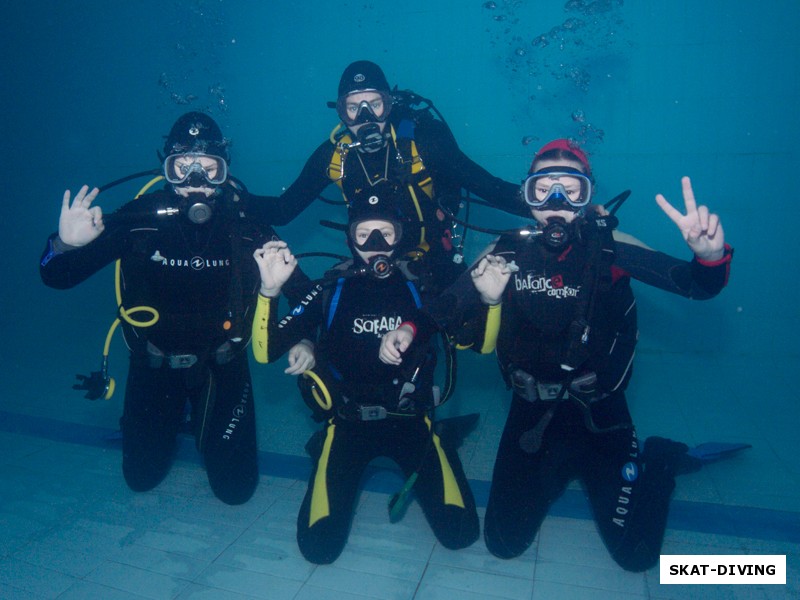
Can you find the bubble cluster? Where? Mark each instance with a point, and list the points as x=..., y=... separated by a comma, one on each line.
x=217, y=92
x=195, y=56
x=588, y=133
x=562, y=63
x=592, y=8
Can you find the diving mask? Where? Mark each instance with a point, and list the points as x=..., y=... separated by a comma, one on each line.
x=374, y=110
x=195, y=170
x=557, y=187
x=380, y=239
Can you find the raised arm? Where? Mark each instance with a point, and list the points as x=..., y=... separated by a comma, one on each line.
x=276, y=263
x=700, y=228
x=80, y=223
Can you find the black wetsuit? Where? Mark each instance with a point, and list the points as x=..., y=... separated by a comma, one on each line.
x=203, y=281
x=368, y=419
x=562, y=424
x=436, y=169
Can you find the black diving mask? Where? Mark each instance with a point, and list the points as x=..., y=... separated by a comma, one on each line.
x=352, y=113
x=376, y=241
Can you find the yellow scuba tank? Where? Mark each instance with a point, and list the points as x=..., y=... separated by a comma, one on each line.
x=343, y=143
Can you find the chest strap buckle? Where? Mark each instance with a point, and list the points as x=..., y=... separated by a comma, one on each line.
x=181, y=361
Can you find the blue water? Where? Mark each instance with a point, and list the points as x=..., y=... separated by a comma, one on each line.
x=653, y=90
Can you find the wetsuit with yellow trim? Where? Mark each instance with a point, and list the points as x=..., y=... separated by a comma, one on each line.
x=422, y=159
x=368, y=418
x=575, y=424
x=203, y=282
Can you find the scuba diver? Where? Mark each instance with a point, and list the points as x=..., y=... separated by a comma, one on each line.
x=558, y=307
x=369, y=409
x=399, y=137
x=184, y=257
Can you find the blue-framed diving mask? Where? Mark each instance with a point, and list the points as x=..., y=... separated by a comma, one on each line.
x=557, y=188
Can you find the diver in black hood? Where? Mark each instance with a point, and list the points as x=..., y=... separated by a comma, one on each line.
x=184, y=257
x=370, y=409
x=386, y=134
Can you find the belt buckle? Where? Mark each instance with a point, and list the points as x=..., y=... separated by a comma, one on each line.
x=181, y=361
x=371, y=413
x=549, y=391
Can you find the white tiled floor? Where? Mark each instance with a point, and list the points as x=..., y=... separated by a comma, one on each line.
x=72, y=530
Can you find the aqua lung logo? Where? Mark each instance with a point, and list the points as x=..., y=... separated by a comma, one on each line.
x=196, y=263
x=359, y=78
x=300, y=308
x=381, y=268
x=629, y=474
x=237, y=414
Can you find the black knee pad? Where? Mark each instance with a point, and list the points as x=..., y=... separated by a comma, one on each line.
x=143, y=479
x=500, y=547
x=233, y=486
x=638, y=559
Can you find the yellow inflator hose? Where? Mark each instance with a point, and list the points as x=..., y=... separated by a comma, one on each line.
x=123, y=312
